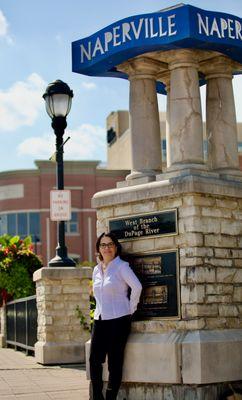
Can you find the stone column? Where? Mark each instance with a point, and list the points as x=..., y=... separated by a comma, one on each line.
x=186, y=133
x=144, y=118
x=61, y=338
x=221, y=117
x=2, y=326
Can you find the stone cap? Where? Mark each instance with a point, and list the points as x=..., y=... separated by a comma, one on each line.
x=62, y=273
x=186, y=181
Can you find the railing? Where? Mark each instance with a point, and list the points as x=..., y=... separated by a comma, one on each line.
x=21, y=323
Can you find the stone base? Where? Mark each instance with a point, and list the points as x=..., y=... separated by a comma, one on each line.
x=141, y=391
x=212, y=356
x=137, y=178
x=59, y=353
x=195, y=357
x=188, y=171
x=172, y=392
x=141, y=174
x=149, y=358
x=178, y=167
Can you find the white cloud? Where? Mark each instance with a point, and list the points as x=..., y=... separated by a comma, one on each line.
x=87, y=142
x=59, y=38
x=89, y=85
x=38, y=147
x=3, y=24
x=21, y=103
x=4, y=28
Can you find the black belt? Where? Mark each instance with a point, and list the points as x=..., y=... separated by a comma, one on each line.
x=100, y=317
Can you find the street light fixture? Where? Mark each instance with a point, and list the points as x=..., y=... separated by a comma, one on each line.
x=58, y=98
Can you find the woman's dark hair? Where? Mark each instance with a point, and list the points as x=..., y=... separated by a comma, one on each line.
x=114, y=240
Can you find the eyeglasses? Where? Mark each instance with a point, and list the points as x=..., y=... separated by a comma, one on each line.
x=109, y=245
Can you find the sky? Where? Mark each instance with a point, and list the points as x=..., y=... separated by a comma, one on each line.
x=35, y=49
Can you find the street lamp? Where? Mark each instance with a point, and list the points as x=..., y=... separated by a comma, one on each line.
x=58, y=97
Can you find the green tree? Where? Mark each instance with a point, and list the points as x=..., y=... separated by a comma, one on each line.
x=17, y=265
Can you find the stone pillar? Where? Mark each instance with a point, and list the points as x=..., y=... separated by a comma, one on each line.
x=59, y=291
x=2, y=326
x=144, y=118
x=186, y=133
x=221, y=117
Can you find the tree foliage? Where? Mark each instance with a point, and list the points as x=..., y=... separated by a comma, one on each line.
x=17, y=265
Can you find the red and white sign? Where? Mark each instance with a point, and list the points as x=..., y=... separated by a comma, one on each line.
x=60, y=205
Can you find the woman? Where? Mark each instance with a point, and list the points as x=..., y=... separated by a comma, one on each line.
x=112, y=278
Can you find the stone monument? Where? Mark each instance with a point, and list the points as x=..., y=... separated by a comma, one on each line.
x=182, y=229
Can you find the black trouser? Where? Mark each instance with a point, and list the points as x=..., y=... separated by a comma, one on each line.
x=109, y=338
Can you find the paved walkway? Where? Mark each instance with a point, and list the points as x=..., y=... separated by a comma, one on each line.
x=21, y=378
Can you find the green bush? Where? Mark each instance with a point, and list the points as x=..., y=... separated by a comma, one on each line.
x=80, y=315
x=17, y=265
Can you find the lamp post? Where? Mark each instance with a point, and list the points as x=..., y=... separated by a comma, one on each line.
x=58, y=97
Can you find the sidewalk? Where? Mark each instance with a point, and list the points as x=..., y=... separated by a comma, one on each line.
x=21, y=378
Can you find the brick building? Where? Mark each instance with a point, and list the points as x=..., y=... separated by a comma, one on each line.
x=25, y=205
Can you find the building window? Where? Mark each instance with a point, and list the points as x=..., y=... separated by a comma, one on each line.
x=3, y=224
x=111, y=136
x=71, y=227
x=34, y=224
x=22, y=224
x=11, y=224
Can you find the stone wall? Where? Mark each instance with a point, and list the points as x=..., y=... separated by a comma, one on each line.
x=59, y=291
x=209, y=243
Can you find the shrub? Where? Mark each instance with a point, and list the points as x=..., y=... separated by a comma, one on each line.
x=17, y=265
x=79, y=313
x=83, y=321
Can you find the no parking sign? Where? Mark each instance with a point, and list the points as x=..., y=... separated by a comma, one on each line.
x=60, y=205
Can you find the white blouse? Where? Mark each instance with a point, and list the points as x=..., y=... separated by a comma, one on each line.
x=110, y=290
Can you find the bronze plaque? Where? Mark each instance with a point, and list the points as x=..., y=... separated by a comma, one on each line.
x=163, y=223
x=158, y=274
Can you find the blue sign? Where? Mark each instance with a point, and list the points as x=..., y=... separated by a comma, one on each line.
x=184, y=26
